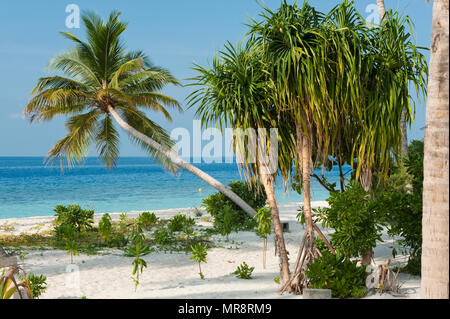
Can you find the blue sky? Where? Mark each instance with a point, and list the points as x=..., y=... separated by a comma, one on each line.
x=174, y=33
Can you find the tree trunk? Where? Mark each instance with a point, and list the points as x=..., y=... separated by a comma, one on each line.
x=366, y=177
x=404, y=134
x=306, y=190
x=173, y=156
x=404, y=146
x=278, y=230
x=435, y=221
x=3, y=252
x=306, y=179
x=308, y=250
x=381, y=8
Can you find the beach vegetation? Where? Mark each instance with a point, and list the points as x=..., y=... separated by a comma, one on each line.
x=355, y=219
x=147, y=219
x=180, y=222
x=37, y=284
x=118, y=240
x=7, y=227
x=163, y=236
x=105, y=227
x=338, y=273
x=227, y=220
x=137, y=249
x=215, y=203
x=188, y=234
x=263, y=218
x=73, y=215
x=199, y=253
x=197, y=212
x=400, y=197
x=10, y=284
x=243, y=271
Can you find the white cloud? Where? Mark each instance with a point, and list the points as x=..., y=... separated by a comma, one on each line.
x=16, y=116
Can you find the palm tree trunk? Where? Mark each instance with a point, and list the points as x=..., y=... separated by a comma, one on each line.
x=366, y=177
x=435, y=221
x=173, y=156
x=381, y=8
x=297, y=282
x=404, y=146
x=306, y=179
x=278, y=230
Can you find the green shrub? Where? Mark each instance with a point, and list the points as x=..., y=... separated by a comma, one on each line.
x=244, y=271
x=163, y=236
x=37, y=284
x=403, y=205
x=105, y=228
x=147, y=219
x=355, y=220
x=179, y=222
x=117, y=240
x=338, y=273
x=263, y=218
x=137, y=249
x=226, y=222
x=199, y=253
x=215, y=205
x=73, y=215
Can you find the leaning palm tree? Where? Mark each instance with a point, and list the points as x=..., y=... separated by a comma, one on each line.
x=235, y=91
x=435, y=222
x=100, y=82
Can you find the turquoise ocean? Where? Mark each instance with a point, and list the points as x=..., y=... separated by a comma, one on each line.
x=30, y=188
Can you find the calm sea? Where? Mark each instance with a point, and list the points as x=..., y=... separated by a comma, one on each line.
x=29, y=188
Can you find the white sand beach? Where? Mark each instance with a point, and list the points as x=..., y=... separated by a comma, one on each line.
x=174, y=275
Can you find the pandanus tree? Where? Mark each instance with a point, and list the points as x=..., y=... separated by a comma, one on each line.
x=234, y=91
x=390, y=64
x=340, y=91
x=292, y=40
x=382, y=12
x=101, y=81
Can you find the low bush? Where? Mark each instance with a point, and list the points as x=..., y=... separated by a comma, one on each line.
x=163, y=236
x=179, y=222
x=216, y=205
x=105, y=228
x=353, y=216
x=38, y=284
x=338, y=273
x=244, y=271
x=199, y=252
x=80, y=219
x=400, y=198
x=147, y=219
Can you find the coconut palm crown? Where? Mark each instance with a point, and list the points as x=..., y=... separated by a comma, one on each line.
x=96, y=74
